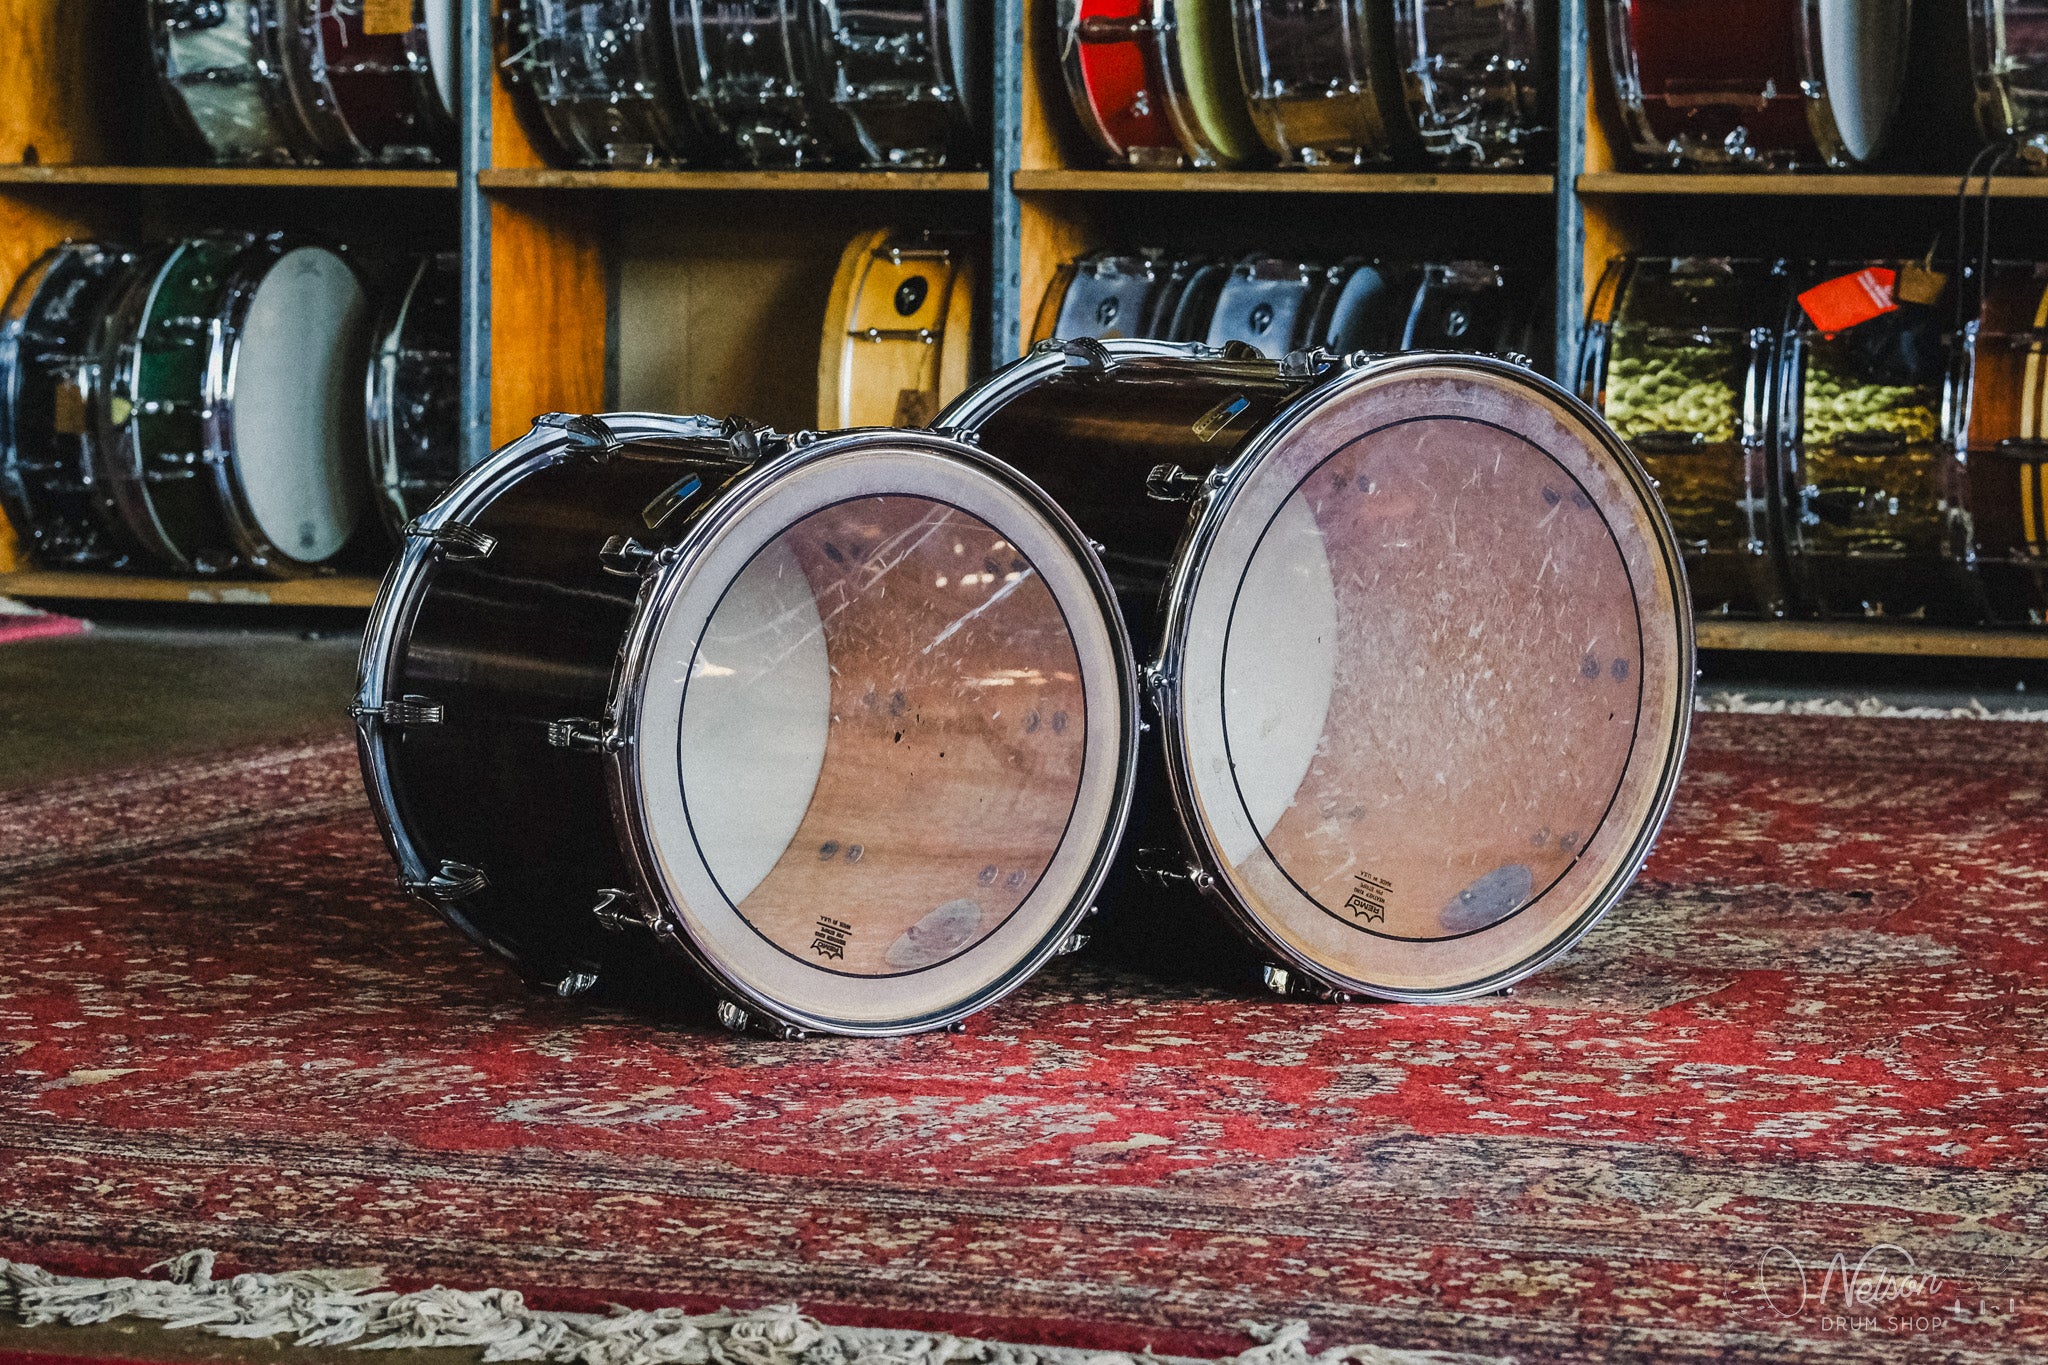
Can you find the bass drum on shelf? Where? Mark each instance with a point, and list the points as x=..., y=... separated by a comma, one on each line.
x=2004, y=376
x=899, y=83
x=2009, y=54
x=1478, y=79
x=1758, y=83
x=1681, y=358
x=601, y=77
x=1319, y=76
x=1878, y=520
x=218, y=61
x=414, y=401
x=1421, y=658
x=743, y=71
x=847, y=723
x=1115, y=81
x=373, y=80
x=47, y=376
x=228, y=421
x=898, y=330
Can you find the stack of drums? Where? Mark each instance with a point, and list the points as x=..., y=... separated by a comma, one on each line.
x=206, y=407
x=311, y=81
x=1277, y=304
x=1890, y=470
x=1231, y=83
x=767, y=83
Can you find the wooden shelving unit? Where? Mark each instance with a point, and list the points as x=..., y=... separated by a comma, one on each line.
x=702, y=289
x=336, y=591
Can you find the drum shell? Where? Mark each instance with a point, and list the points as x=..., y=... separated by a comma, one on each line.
x=2009, y=57
x=374, y=92
x=1104, y=294
x=2003, y=369
x=581, y=86
x=743, y=68
x=1877, y=519
x=1114, y=80
x=897, y=332
x=412, y=398
x=1204, y=88
x=507, y=644
x=47, y=361
x=1269, y=303
x=1092, y=445
x=247, y=119
x=904, y=66
x=1341, y=53
x=1712, y=325
x=149, y=438
x=1478, y=77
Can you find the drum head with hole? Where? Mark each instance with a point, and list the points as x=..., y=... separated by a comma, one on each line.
x=296, y=396
x=881, y=735
x=1434, y=672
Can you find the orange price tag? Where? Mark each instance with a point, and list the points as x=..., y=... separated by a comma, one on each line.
x=1841, y=303
x=387, y=16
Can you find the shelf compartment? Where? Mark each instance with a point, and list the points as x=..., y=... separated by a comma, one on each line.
x=1857, y=637
x=1281, y=182
x=537, y=178
x=248, y=177
x=1808, y=186
x=51, y=585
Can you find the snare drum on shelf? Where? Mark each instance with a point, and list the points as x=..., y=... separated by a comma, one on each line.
x=228, y=421
x=1103, y=294
x=743, y=70
x=1477, y=76
x=1410, y=754
x=898, y=330
x=220, y=64
x=48, y=374
x=1464, y=306
x=1877, y=517
x=602, y=77
x=2005, y=380
x=2009, y=54
x=1771, y=84
x=1205, y=99
x=373, y=80
x=898, y=83
x=1320, y=79
x=839, y=732
x=1680, y=358
x=1114, y=77
x=414, y=399
x=1268, y=303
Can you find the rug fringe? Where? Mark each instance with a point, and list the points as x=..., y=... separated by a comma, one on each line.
x=346, y=1308
x=1739, y=703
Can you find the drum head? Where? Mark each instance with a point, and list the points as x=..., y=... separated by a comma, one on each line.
x=442, y=36
x=1435, y=671
x=297, y=392
x=1863, y=61
x=881, y=736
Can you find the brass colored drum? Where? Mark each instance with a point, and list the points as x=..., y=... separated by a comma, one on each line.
x=898, y=331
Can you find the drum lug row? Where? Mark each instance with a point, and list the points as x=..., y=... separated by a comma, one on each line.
x=408, y=710
x=453, y=540
x=628, y=558
x=585, y=736
x=452, y=881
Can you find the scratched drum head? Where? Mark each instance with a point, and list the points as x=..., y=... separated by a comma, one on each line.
x=882, y=736
x=1434, y=669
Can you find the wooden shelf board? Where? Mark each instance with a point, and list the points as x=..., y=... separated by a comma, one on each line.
x=336, y=591
x=1833, y=186
x=1282, y=182
x=514, y=178
x=189, y=177
x=1856, y=637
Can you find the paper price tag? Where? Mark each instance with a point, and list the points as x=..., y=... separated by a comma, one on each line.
x=387, y=16
x=1841, y=303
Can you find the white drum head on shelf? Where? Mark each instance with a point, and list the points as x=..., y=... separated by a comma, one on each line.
x=1434, y=680
x=879, y=737
x=1863, y=64
x=442, y=37
x=296, y=394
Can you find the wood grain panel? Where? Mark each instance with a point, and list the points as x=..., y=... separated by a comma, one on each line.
x=548, y=302
x=1053, y=231
x=52, y=78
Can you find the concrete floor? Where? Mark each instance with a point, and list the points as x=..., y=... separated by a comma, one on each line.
x=122, y=695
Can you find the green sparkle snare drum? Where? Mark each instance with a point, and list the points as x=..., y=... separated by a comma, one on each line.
x=230, y=413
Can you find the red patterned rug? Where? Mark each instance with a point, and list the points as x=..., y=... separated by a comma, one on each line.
x=1789, y=1102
